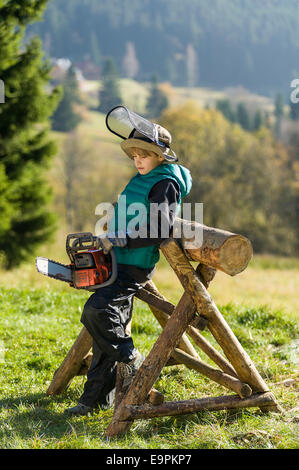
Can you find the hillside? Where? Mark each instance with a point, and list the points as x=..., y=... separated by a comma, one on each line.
x=212, y=44
x=135, y=95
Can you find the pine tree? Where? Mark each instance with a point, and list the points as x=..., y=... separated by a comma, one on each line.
x=258, y=120
x=294, y=111
x=278, y=112
x=65, y=119
x=95, y=49
x=224, y=106
x=25, y=147
x=243, y=117
x=109, y=96
x=157, y=100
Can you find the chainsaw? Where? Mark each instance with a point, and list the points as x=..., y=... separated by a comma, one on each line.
x=90, y=267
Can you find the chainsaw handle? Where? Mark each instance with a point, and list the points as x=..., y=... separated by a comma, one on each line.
x=78, y=239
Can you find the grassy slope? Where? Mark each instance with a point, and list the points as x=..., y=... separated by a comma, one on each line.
x=135, y=95
x=39, y=325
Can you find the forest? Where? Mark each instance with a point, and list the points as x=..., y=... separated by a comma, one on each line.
x=196, y=43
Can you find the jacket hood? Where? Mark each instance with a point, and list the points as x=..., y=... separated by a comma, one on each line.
x=180, y=173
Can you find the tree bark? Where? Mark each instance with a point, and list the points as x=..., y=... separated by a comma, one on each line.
x=205, y=305
x=193, y=406
x=232, y=383
x=72, y=363
x=162, y=309
x=219, y=249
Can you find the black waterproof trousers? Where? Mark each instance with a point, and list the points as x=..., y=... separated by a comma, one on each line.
x=106, y=315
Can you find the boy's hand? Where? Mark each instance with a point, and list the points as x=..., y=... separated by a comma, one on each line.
x=107, y=242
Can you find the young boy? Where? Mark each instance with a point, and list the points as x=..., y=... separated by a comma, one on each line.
x=108, y=311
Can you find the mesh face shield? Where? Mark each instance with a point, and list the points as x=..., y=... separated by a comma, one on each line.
x=122, y=122
x=127, y=124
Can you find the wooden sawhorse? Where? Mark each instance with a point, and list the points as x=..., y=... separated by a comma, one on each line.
x=195, y=311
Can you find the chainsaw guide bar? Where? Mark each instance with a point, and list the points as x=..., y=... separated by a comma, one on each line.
x=90, y=267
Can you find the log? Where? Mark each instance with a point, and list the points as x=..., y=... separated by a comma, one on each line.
x=166, y=308
x=85, y=365
x=155, y=302
x=211, y=352
x=220, y=249
x=155, y=397
x=119, y=392
x=231, y=347
x=227, y=402
x=184, y=343
x=153, y=364
x=71, y=364
x=232, y=383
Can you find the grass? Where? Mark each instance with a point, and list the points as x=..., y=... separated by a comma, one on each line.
x=268, y=280
x=40, y=321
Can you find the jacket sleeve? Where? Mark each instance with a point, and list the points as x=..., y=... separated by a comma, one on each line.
x=166, y=194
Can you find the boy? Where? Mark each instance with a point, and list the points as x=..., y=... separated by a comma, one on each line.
x=108, y=311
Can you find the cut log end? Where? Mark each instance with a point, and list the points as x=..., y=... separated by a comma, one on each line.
x=235, y=255
x=229, y=252
x=155, y=397
x=245, y=391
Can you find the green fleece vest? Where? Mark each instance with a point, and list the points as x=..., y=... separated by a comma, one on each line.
x=137, y=191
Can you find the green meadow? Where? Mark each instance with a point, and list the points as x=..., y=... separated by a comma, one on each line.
x=40, y=319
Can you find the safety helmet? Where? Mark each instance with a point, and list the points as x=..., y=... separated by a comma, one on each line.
x=139, y=132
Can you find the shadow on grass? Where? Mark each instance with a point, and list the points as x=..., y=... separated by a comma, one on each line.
x=34, y=414
x=181, y=424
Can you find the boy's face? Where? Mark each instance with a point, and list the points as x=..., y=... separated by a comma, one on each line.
x=145, y=161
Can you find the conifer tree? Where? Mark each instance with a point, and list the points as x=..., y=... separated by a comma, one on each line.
x=279, y=105
x=109, y=96
x=294, y=111
x=95, y=49
x=258, y=120
x=25, y=147
x=224, y=106
x=243, y=117
x=157, y=100
x=65, y=118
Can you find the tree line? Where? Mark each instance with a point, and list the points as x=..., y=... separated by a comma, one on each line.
x=196, y=42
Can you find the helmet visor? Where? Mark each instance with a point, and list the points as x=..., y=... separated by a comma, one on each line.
x=122, y=122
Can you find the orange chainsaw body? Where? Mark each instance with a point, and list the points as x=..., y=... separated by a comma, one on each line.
x=97, y=269
x=91, y=267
